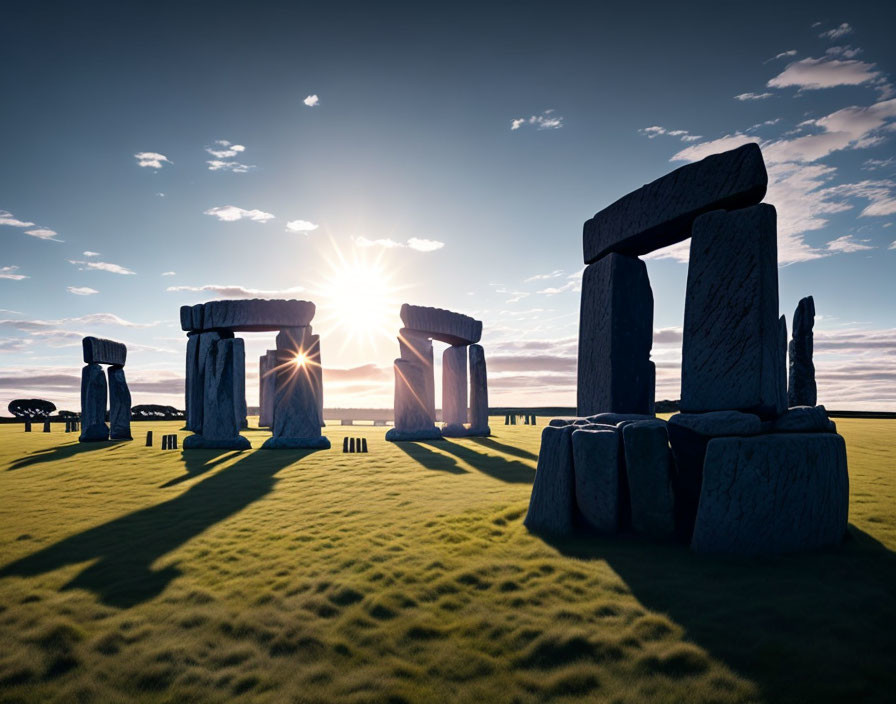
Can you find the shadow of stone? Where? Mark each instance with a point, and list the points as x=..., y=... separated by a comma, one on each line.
x=510, y=471
x=429, y=459
x=62, y=452
x=817, y=627
x=198, y=462
x=493, y=444
x=124, y=549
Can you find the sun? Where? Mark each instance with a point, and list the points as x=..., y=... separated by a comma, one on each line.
x=300, y=359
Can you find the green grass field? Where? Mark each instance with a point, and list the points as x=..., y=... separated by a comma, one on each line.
x=406, y=575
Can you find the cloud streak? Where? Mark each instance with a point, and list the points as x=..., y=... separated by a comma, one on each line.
x=152, y=160
x=231, y=213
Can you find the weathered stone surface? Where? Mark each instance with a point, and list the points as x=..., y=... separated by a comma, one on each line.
x=296, y=404
x=615, y=373
x=689, y=434
x=396, y=435
x=649, y=468
x=442, y=325
x=317, y=374
x=220, y=424
x=661, y=213
x=93, y=404
x=119, y=405
x=454, y=389
x=560, y=422
x=781, y=368
x=417, y=347
x=239, y=382
x=802, y=390
x=552, y=503
x=412, y=418
x=478, y=392
x=616, y=418
x=251, y=315
x=730, y=346
x=596, y=463
x=805, y=419
x=100, y=351
x=267, y=388
x=772, y=494
x=198, y=346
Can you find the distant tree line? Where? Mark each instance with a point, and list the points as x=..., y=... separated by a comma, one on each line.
x=40, y=409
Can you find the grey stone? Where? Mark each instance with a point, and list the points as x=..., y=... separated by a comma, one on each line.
x=552, y=503
x=250, y=315
x=802, y=390
x=731, y=340
x=615, y=373
x=100, y=351
x=661, y=213
x=220, y=424
x=267, y=385
x=805, y=419
x=717, y=423
x=396, y=435
x=119, y=405
x=93, y=404
x=416, y=347
x=412, y=416
x=198, y=346
x=317, y=374
x=321, y=442
x=773, y=494
x=239, y=383
x=649, y=468
x=559, y=422
x=454, y=389
x=596, y=462
x=478, y=392
x=198, y=442
x=442, y=325
x=616, y=418
x=781, y=368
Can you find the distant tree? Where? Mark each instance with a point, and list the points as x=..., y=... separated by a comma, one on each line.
x=31, y=408
x=67, y=414
x=156, y=412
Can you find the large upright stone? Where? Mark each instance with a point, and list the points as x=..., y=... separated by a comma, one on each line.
x=93, y=404
x=443, y=325
x=119, y=405
x=454, y=390
x=198, y=347
x=731, y=342
x=598, y=471
x=313, y=362
x=650, y=471
x=661, y=213
x=220, y=422
x=552, y=503
x=772, y=494
x=263, y=420
x=478, y=392
x=413, y=420
x=296, y=402
x=417, y=347
x=269, y=386
x=239, y=383
x=251, y=315
x=615, y=336
x=100, y=351
x=802, y=390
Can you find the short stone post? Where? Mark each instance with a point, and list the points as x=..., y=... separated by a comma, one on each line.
x=149, y=438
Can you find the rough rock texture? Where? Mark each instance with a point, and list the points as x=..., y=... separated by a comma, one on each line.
x=239, y=382
x=100, y=351
x=478, y=392
x=252, y=315
x=802, y=390
x=773, y=494
x=268, y=389
x=552, y=503
x=417, y=347
x=442, y=325
x=649, y=468
x=411, y=413
x=220, y=424
x=689, y=434
x=396, y=435
x=119, y=405
x=781, y=367
x=296, y=403
x=730, y=347
x=615, y=373
x=263, y=420
x=198, y=346
x=805, y=419
x=616, y=418
x=661, y=213
x=454, y=389
x=596, y=462
x=93, y=404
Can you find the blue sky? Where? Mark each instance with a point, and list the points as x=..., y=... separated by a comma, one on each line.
x=159, y=154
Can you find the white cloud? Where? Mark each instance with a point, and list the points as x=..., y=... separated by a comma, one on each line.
x=7, y=218
x=848, y=52
x=892, y=245
x=50, y=326
x=43, y=233
x=9, y=272
x=815, y=74
x=545, y=121
x=168, y=273
x=656, y=130
x=88, y=253
x=232, y=166
x=541, y=277
x=415, y=243
x=752, y=96
x=424, y=245
x=874, y=164
x=789, y=52
x=312, y=101
x=152, y=160
x=101, y=266
x=223, y=149
x=300, y=226
x=82, y=290
x=237, y=291
x=571, y=285
x=847, y=244
x=837, y=32
x=382, y=242
x=880, y=194
x=230, y=213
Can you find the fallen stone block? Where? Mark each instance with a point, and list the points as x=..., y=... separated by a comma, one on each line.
x=552, y=503
x=598, y=489
x=100, y=351
x=805, y=419
x=649, y=468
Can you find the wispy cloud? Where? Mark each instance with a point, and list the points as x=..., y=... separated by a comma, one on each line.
x=847, y=52
x=312, y=101
x=656, y=130
x=152, y=160
x=848, y=244
x=752, y=96
x=223, y=149
x=783, y=54
x=237, y=291
x=816, y=74
x=91, y=319
x=541, y=277
x=82, y=290
x=88, y=253
x=300, y=226
x=43, y=233
x=545, y=121
x=416, y=243
x=424, y=245
x=235, y=167
x=10, y=272
x=875, y=164
x=7, y=218
x=102, y=266
x=837, y=32
x=168, y=273
x=231, y=213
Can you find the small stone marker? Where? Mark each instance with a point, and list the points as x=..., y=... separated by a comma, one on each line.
x=363, y=444
x=46, y=426
x=149, y=438
x=27, y=426
x=164, y=442
x=345, y=444
x=172, y=444
x=351, y=444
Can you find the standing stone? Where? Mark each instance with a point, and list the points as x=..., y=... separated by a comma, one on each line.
x=27, y=426
x=615, y=336
x=598, y=492
x=781, y=367
x=297, y=414
x=552, y=503
x=478, y=392
x=417, y=347
x=802, y=390
x=220, y=424
x=263, y=421
x=730, y=346
x=93, y=404
x=198, y=346
x=649, y=468
x=239, y=382
x=149, y=438
x=268, y=389
x=46, y=426
x=772, y=494
x=315, y=368
x=412, y=418
x=454, y=390
x=119, y=405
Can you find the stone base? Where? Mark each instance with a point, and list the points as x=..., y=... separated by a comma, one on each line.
x=113, y=436
x=197, y=442
x=319, y=443
x=95, y=433
x=454, y=430
x=553, y=500
x=396, y=435
x=479, y=432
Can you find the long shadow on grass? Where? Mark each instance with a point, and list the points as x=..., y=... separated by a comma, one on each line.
x=493, y=444
x=124, y=549
x=62, y=452
x=498, y=467
x=816, y=627
x=198, y=462
x=429, y=459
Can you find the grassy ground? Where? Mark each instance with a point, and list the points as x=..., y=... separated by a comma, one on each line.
x=405, y=575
